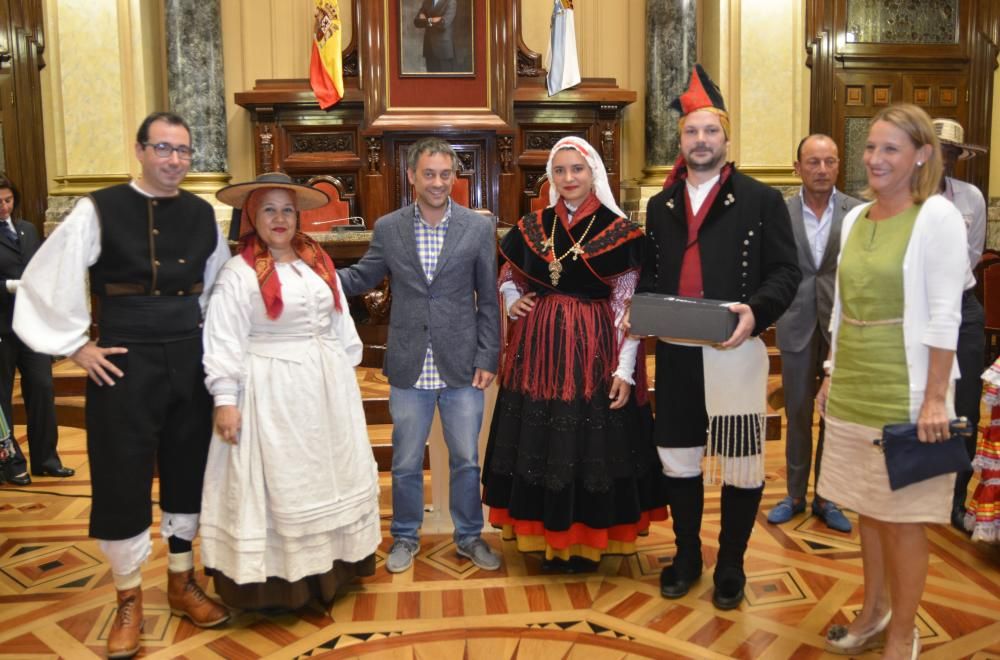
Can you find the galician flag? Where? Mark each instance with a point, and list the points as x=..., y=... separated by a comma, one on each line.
x=326, y=72
x=561, y=59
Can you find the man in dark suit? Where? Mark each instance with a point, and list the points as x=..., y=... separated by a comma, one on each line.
x=443, y=346
x=437, y=17
x=18, y=243
x=718, y=234
x=804, y=330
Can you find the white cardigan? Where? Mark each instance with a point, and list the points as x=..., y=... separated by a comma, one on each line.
x=935, y=266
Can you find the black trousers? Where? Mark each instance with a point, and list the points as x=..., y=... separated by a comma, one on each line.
x=681, y=418
x=971, y=353
x=39, y=403
x=159, y=414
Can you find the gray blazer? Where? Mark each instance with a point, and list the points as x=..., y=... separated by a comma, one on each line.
x=458, y=312
x=814, y=300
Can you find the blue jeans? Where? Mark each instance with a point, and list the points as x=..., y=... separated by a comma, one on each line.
x=412, y=412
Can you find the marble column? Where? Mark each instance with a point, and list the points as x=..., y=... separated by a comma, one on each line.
x=670, y=55
x=195, y=78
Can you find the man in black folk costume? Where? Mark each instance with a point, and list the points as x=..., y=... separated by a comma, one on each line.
x=715, y=233
x=571, y=469
x=152, y=252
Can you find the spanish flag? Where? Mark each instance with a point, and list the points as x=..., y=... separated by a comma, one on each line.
x=326, y=71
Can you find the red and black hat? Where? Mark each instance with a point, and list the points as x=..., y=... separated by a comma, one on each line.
x=701, y=93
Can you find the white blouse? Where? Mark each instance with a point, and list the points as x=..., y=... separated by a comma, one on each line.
x=237, y=317
x=52, y=307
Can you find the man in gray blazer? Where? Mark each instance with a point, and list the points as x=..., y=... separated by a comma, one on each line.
x=804, y=330
x=443, y=346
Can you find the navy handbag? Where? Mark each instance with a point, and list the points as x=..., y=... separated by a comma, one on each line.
x=907, y=460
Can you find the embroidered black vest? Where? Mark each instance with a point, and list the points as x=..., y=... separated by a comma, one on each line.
x=152, y=263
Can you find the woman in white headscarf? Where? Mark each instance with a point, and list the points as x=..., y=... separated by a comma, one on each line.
x=571, y=469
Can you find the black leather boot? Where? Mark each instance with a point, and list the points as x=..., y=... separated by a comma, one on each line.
x=687, y=501
x=739, y=511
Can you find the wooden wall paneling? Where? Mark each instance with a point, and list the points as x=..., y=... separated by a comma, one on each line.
x=819, y=43
x=914, y=54
x=375, y=202
x=954, y=80
x=506, y=183
x=528, y=63
x=859, y=95
x=21, y=59
x=985, y=47
x=503, y=54
x=515, y=132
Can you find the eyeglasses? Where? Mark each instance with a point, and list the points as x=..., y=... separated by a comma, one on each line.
x=163, y=150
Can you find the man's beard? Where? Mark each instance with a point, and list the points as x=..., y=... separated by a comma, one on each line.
x=706, y=166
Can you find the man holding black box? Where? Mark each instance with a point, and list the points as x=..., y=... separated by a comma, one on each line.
x=716, y=234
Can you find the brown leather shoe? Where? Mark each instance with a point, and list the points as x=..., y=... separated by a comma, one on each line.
x=187, y=599
x=123, y=640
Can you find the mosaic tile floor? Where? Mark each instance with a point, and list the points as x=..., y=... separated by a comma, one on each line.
x=56, y=596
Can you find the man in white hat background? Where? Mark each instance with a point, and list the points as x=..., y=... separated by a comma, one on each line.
x=970, y=351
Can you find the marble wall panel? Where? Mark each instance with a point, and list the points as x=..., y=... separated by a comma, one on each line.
x=671, y=53
x=195, y=77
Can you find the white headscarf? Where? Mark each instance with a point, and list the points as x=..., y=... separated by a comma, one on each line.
x=601, y=186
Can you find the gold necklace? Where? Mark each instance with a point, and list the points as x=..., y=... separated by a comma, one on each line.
x=555, y=268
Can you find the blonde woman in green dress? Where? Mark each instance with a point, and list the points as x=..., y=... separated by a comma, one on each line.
x=894, y=327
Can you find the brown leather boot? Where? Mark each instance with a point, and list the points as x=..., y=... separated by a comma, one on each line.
x=187, y=599
x=123, y=639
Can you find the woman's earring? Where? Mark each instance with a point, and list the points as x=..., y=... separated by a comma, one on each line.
x=920, y=163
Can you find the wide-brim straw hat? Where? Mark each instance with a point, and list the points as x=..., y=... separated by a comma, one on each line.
x=306, y=198
x=949, y=131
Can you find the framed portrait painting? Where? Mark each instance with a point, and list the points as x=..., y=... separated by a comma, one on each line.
x=436, y=38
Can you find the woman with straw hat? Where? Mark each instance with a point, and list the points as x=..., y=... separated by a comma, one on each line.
x=290, y=506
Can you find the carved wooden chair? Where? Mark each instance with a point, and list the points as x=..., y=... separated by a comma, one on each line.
x=541, y=198
x=988, y=291
x=336, y=213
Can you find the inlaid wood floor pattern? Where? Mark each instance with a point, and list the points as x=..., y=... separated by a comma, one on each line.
x=56, y=595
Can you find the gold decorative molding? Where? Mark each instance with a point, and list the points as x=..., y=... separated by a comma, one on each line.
x=654, y=175
x=772, y=175
x=206, y=182
x=84, y=184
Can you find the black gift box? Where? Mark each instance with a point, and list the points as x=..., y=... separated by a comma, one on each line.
x=684, y=319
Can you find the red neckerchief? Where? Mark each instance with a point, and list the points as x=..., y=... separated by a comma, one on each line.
x=691, y=283
x=586, y=208
x=257, y=255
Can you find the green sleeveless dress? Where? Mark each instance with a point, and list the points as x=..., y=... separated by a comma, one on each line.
x=871, y=385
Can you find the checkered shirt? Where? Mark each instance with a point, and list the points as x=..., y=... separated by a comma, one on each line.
x=429, y=242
